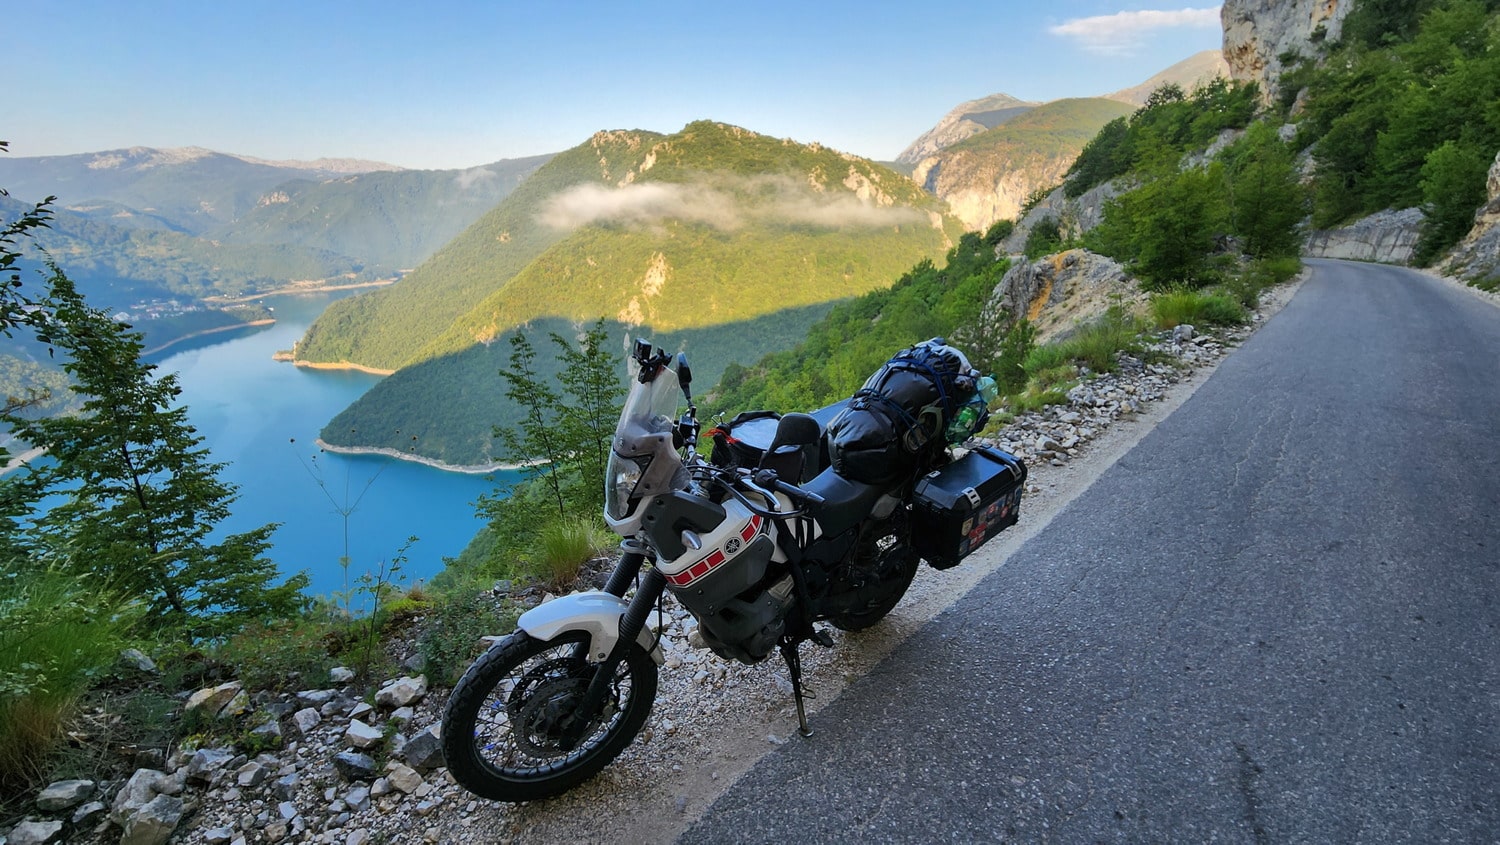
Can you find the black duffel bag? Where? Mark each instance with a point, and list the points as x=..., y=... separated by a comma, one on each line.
x=903, y=408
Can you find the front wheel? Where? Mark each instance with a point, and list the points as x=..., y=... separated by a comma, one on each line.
x=504, y=728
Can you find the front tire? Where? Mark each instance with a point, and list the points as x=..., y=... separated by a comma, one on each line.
x=506, y=717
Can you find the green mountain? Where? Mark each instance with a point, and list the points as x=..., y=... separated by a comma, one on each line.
x=392, y=220
x=686, y=234
x=989, y=176
x=117, y=266
x=386, y=329
x=189, y=190
x=383, y=218
x=397, y=413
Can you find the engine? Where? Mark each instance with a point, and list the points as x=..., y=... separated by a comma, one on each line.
x=720, y=569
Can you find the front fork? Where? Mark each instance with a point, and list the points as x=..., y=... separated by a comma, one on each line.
x=631, y=624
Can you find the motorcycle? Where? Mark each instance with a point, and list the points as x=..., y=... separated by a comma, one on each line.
x=825, y=521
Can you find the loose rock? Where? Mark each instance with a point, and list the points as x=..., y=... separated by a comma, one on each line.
x=65, y=795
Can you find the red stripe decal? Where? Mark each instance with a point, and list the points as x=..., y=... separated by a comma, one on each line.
x=713, y=560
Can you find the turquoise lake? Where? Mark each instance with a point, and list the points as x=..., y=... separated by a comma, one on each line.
x=262, y=418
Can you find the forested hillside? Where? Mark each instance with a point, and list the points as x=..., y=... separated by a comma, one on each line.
x=387, y=328
x=452, y=403
x=716, y=237
x=1404, y=111
x=713, y=224
x=115, y=267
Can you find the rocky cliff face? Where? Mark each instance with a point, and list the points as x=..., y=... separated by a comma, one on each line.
x=989, y=177
x=1478, y=256
x=1258, y=32
x=982, y=188
x=1074, y=216
x=1387, y=237
x=1059, y=292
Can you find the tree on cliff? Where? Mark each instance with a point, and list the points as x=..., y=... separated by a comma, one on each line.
x=140, y=497
x=13, y=306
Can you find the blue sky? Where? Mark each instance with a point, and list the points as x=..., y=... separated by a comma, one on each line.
x=436, y=84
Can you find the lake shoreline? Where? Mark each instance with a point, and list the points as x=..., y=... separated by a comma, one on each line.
x=341, y=365
x=205, y=332
x=467, y=469
x=298, y=288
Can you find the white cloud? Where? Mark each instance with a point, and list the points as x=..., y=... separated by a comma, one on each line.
x=726, y=206
x=1122, y=32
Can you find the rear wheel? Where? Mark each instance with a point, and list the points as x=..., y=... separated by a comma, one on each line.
x=506, y=722
x=876, y=575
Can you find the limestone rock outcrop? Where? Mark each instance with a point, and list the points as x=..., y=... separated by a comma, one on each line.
x=1257, y=33
x=1478, y=255
x=1058, y=292
x=1388, y=237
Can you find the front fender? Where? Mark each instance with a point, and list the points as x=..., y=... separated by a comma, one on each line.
x=596, y=612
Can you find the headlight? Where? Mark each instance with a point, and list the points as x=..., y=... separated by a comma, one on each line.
x=626, y=476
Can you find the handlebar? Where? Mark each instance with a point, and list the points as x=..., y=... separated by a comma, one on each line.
x=768, y=478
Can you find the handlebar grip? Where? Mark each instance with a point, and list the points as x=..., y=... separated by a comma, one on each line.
x=768, y=478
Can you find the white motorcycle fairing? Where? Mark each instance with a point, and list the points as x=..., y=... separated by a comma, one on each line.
x=595, y=612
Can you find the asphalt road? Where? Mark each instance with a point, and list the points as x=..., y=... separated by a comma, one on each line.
x=1274, y=620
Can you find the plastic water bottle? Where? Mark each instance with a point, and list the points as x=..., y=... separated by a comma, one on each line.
x=968, y=418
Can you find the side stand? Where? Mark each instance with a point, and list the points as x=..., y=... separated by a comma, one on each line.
x=793, y=660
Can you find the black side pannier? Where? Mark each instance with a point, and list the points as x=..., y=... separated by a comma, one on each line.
x=900, y=410
x=956, y=509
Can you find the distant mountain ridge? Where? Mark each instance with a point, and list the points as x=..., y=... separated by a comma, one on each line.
x=964, y=121
x=986, y=173
x=626, y=223
x=1191, y=73
x=382, y=218
x=972, y=117
x=989, y=176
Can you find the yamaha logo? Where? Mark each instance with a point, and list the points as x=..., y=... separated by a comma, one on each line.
x=732, y=546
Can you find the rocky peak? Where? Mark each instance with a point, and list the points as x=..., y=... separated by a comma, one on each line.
x=965, y=120
x=1257, y=33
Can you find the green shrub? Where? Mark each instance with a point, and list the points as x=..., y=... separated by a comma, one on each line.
x=1035, y=400
x=1041, y=358
x=290, y=655
x=57, y=634
x=1095, y=344
x=1044, y=238
x=564, y=546
x=1247, y=284
x=1010, y=364
x=454, y=627
x=1197, y=308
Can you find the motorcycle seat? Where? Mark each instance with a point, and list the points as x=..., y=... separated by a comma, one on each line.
x=845, y=502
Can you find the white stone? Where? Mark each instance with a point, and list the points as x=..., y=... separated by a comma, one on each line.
x=361, y=735
x=401, y=692
x=64, y=795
